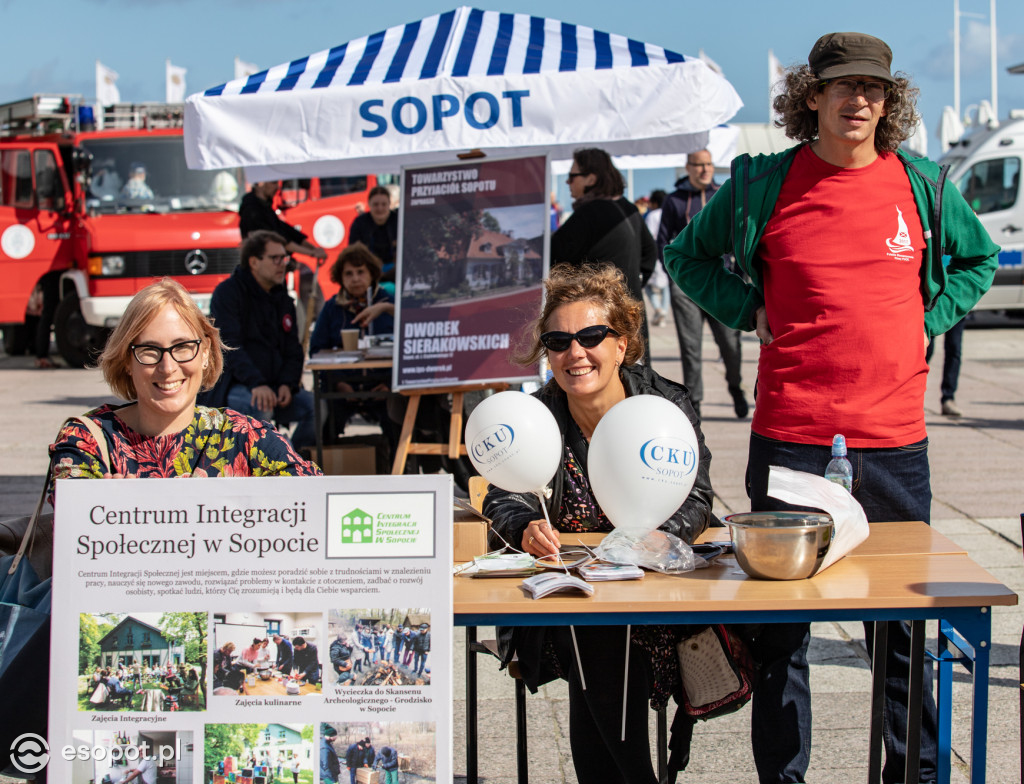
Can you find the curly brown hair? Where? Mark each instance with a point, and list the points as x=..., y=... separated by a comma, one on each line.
x=357, y=255
x=801, y=122
x=602, y=284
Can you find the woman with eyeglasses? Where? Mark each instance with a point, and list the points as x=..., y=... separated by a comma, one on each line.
x=590, y=331
x=160, y=355
x=604, y=226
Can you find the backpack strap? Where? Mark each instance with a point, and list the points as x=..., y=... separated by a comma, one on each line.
x=28, y=537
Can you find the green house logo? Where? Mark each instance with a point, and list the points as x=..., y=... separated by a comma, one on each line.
x=357, y=527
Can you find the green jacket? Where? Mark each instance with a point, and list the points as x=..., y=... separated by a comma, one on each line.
x=735, y=218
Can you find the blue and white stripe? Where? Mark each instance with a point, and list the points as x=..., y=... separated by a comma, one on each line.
x=465, y=42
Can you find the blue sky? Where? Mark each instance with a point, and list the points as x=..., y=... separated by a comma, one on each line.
x=135, y=37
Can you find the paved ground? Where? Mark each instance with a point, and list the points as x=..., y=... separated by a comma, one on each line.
x=976, y=464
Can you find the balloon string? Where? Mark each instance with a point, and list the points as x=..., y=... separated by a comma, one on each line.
x=625, y=685
x=576, y=648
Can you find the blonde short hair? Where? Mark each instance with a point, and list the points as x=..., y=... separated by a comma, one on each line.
x=117, y=356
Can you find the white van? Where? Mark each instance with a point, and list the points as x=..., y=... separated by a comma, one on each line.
x=986, y=167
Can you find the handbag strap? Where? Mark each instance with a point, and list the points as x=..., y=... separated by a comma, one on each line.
x=101, y=442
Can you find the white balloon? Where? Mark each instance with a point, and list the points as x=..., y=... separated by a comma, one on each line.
x=642, y=463
x=514, y=442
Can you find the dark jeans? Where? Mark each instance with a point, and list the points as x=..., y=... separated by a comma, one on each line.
x=419, y=662
x=599, y=754
x=892, y=485
x=952, y=346
x=299, y=410
x=51, y=299
x=689, y=320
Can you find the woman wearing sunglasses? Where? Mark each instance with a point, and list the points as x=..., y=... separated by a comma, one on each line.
x=589, y=329
x=162, y=352
x=604, y=226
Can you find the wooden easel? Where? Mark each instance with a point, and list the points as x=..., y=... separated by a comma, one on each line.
x=454, y=448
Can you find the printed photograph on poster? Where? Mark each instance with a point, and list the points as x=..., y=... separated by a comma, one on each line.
x=472, y=259
x=379, y=647
x=266, y=654
x=378, y=752
x=258, y=753
x=150, y=662
x=138, y=755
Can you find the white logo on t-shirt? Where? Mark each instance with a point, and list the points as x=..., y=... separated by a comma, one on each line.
x=901, y=242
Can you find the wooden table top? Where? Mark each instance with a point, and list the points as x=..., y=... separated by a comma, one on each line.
x=901, y=565
x=361, y=364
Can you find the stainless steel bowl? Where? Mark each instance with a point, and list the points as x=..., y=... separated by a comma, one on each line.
x=780, y=545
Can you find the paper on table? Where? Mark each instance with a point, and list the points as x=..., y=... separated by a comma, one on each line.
x=803, y=489
x=334, y=357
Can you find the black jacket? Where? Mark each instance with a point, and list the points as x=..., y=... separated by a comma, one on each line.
x=381, y=240
x=307, y=661
x=512, y=512
x=354, y=756
x=608, y=230
x=261, y=325
x=340, y=652
x=255, y=214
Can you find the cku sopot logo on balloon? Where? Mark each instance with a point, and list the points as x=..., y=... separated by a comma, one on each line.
x=670, y=459
x=493, y=445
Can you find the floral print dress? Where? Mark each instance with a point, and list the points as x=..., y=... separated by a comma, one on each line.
x=218, y=442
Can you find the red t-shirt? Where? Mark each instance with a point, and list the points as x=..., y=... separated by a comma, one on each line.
x=842, y=256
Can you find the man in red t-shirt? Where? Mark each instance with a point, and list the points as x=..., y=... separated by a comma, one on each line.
x=843, y=239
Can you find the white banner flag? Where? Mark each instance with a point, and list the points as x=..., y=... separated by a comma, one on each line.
x=244, y=69
x=106, y=85
x=776, y=75
x=175, y=80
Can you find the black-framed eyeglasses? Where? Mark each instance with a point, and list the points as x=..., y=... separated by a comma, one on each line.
x=573, y=175
x=148, y=354
x=282, y=258
x=847, y=88
x=588, y=337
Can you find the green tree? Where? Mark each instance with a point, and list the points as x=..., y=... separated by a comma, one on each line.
x=188, y=628
x=92, y=629
x=439, y=245
x=227, y=740
x=89, y=635
x=490, y=223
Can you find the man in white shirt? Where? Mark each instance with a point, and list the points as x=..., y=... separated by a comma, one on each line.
x=145, y=771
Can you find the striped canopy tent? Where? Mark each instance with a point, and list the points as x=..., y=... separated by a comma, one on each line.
x=464, y=80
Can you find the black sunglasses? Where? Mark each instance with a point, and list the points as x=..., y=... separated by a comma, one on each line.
x=588, y=337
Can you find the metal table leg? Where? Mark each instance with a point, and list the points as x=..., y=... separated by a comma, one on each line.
x=914, y=699
x=878, y=651
x=471, y=737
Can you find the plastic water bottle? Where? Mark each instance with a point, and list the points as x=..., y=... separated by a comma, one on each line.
x=839, y=469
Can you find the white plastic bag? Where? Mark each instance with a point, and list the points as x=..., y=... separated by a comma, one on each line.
x=658, y=551
x=803, y=489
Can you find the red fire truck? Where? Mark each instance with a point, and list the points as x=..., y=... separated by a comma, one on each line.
x=109, y=205
x=107, y=209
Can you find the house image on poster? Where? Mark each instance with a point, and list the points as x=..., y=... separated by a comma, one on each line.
x=284, y=739
x=134, y=641
x=495, y=259
x=357, y=527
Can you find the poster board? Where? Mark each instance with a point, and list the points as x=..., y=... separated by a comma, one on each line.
x=472, y=253
x=239, y=554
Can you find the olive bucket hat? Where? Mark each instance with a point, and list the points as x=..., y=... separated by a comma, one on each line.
x=851, y=54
